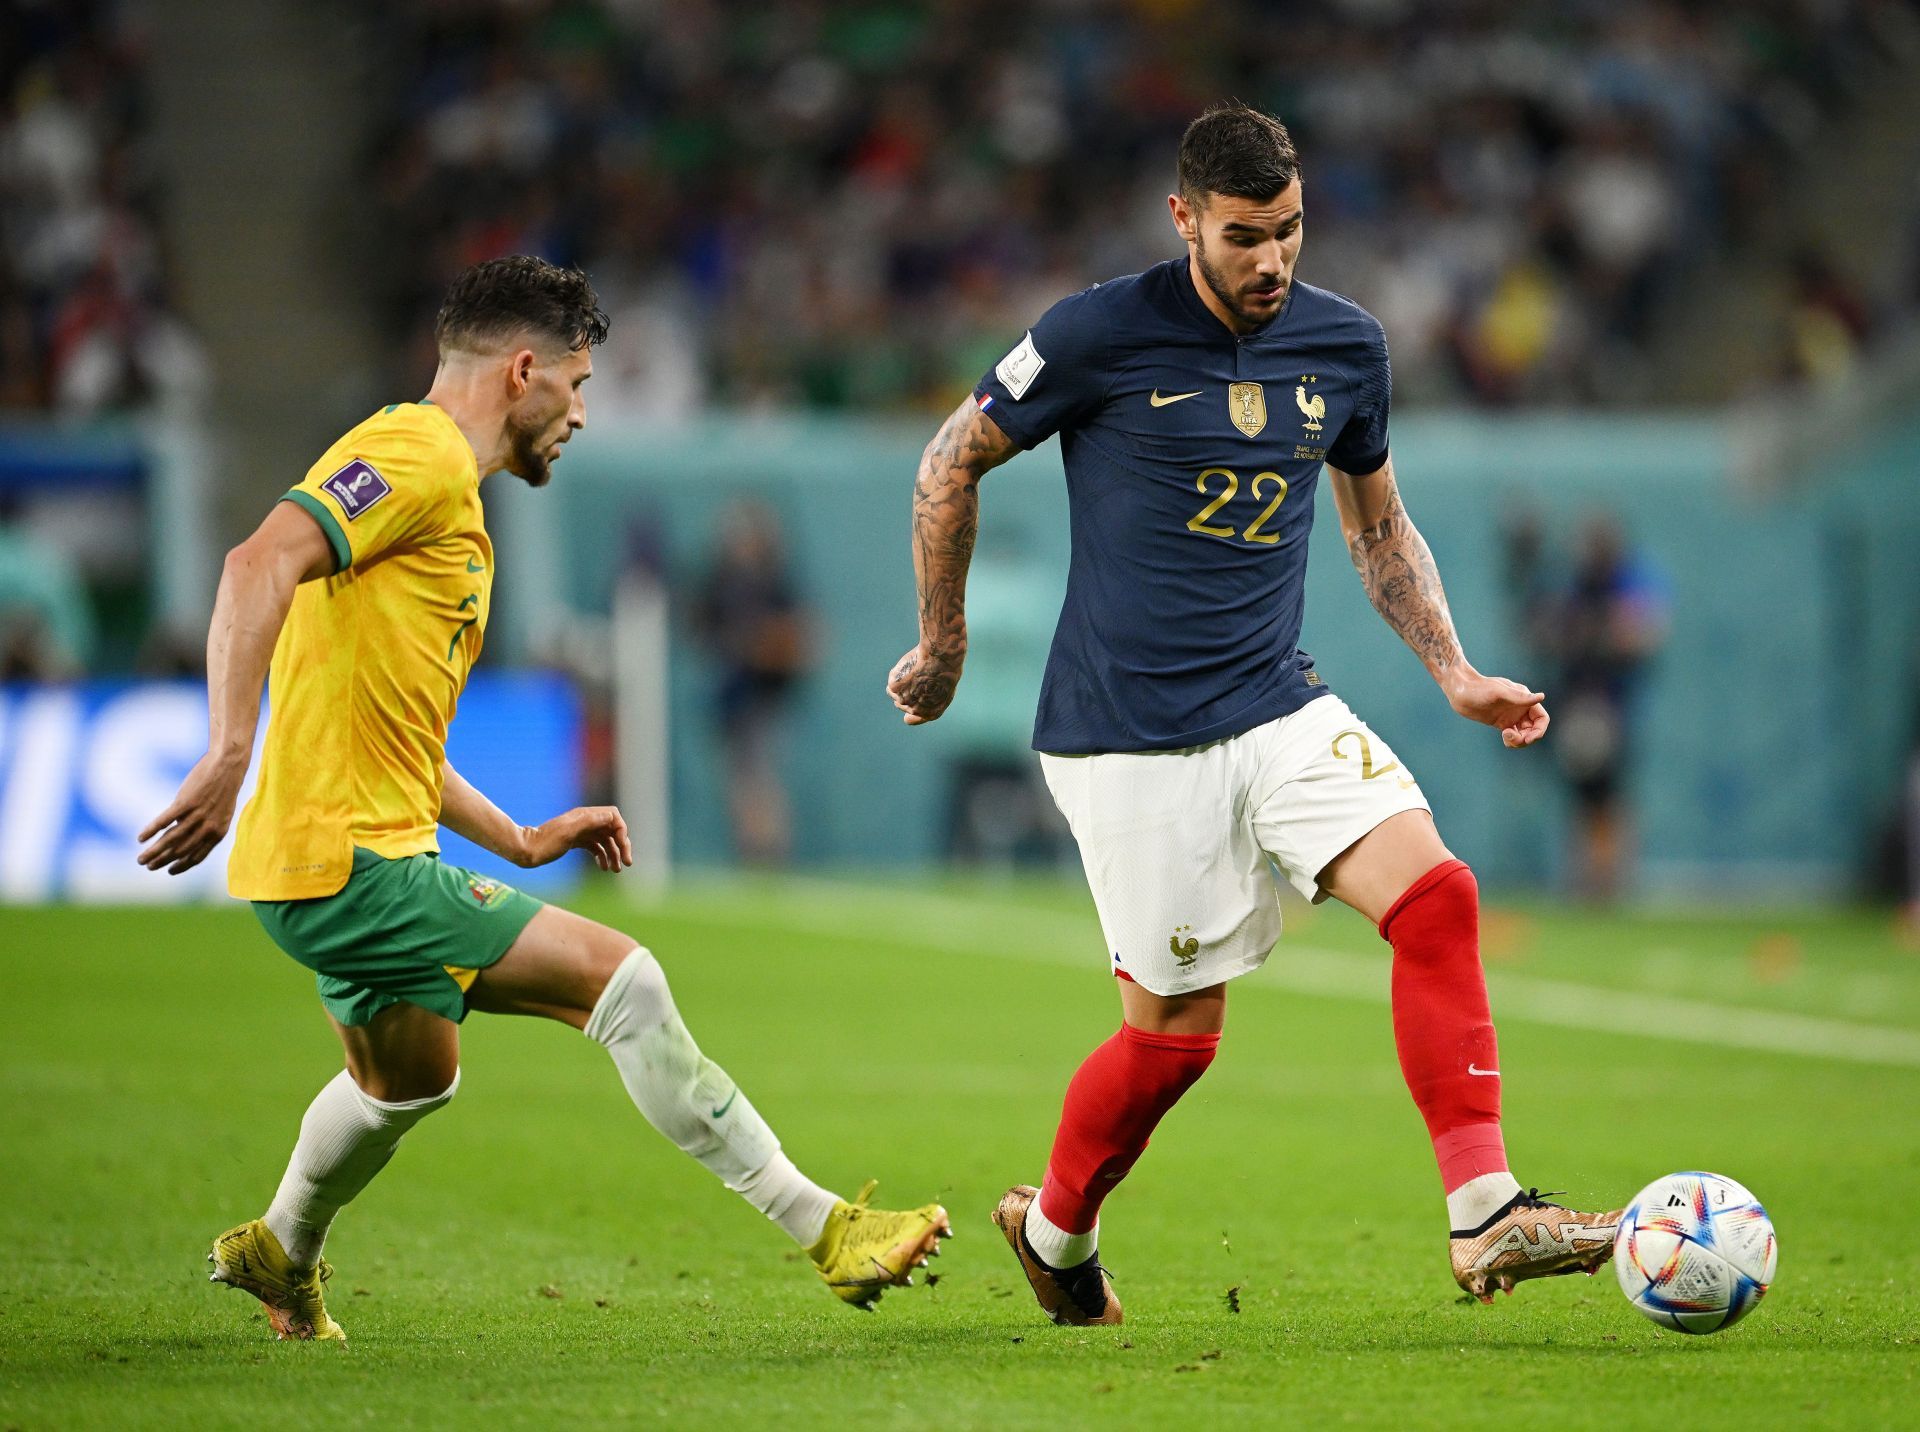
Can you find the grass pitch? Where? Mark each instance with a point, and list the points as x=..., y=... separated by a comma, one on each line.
x=536, y=1255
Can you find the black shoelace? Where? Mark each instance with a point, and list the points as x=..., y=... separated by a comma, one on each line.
x=1532, y=1198
x=1086, y=1285
x=1083, y=1283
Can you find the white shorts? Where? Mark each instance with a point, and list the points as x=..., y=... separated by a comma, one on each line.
x=1177, y=844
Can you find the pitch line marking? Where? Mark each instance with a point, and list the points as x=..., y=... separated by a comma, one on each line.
x=819, y=908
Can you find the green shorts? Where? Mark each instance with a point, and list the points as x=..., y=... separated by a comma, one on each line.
x=412, y=929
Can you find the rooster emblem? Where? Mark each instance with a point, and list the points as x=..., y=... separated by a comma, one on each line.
x=1184, y=951
x=1315, y=407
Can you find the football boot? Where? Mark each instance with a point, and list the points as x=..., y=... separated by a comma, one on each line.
x=250, y=1258
x=864, y=1251
x=1080, y=1296
x=1530, y=1238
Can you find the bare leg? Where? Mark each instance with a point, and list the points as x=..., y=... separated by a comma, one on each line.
x=405, y=1052
x=1202, y=1012
x=1382, y=865
x=558, y=969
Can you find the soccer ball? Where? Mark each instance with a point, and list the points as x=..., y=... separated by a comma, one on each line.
x=1695, y=1252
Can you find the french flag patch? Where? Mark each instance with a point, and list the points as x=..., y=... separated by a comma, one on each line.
x=356, y=487
x=985, y=400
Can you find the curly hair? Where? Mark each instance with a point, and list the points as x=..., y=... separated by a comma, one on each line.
x=496, y=300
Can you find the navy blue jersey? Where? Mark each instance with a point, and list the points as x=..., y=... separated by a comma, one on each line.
x=1192, y=456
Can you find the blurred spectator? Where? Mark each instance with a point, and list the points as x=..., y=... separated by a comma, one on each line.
x=1910, y=814
x=1828, y=324
x=856, y=205
x=751, y=616
x=1530, y=588
x=999, y=813
x=86, y=323
x=1602, y=631
x=46, y=621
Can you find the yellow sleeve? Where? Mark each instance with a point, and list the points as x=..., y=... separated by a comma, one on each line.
x=393, y=488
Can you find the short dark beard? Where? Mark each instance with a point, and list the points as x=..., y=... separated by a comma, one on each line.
x=526, y=456
x=1218, y=283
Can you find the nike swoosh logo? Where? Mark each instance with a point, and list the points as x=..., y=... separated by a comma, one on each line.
x=1492, y=1073
x=729, y=1104
x=1160, y=402
x=473, y=566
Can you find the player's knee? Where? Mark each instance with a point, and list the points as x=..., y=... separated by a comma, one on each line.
x=633, y=995
x=1445, y=897
x=412, y=1094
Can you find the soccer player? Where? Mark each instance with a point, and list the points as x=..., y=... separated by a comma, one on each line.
x=1184, y=734
x=367, y=589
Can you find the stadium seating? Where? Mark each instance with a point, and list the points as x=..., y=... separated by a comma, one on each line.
x=854, y=206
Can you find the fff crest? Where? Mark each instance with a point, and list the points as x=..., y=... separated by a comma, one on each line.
x=1247, y=406
x=1314, y=407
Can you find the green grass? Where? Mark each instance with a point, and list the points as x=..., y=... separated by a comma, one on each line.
x=536, y=1255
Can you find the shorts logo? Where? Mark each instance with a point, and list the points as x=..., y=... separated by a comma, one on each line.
x=356, y=487
x=1185, y=951
x=1020, y=367
x=488, y=893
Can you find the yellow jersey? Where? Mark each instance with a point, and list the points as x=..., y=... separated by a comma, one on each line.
x=372, y=660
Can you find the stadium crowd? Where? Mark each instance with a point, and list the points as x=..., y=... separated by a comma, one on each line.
x=86, y=320
x=855, y=205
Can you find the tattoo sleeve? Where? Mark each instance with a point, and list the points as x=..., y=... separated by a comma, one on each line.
x=946, y=517
x=1403, y=584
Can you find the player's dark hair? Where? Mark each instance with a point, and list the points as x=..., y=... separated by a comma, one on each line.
x=1235, y=149
x=493, y=301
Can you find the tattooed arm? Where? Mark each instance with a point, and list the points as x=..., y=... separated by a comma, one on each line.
x=1404, y=586
x=946, y=515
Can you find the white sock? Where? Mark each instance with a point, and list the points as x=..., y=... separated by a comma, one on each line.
x=345, y=1139
x=1057, y=1247
x=690, y=1099
x=1476, y=1200
x=791, y=1199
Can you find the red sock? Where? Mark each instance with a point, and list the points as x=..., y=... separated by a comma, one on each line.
x=1441, y=1023
x=1113, y=1103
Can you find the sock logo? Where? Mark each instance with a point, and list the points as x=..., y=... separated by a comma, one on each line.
x=1489, y=1073
x=729, y=1104
x=1187, y=951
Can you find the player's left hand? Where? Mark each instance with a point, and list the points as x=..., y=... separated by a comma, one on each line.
x=1515, y=711
x=601, y=830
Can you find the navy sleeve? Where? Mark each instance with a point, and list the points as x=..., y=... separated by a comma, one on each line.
x=1055, y=377
x=1361, y=447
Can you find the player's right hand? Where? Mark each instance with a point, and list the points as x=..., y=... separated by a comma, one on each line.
x=922, y=682
x=197, y=820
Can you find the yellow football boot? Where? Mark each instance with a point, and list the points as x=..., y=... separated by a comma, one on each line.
x=250, y=1258
x=864, y=1251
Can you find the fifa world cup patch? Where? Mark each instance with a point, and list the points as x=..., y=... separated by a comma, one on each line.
x=356, y=487
x=1020, y=367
